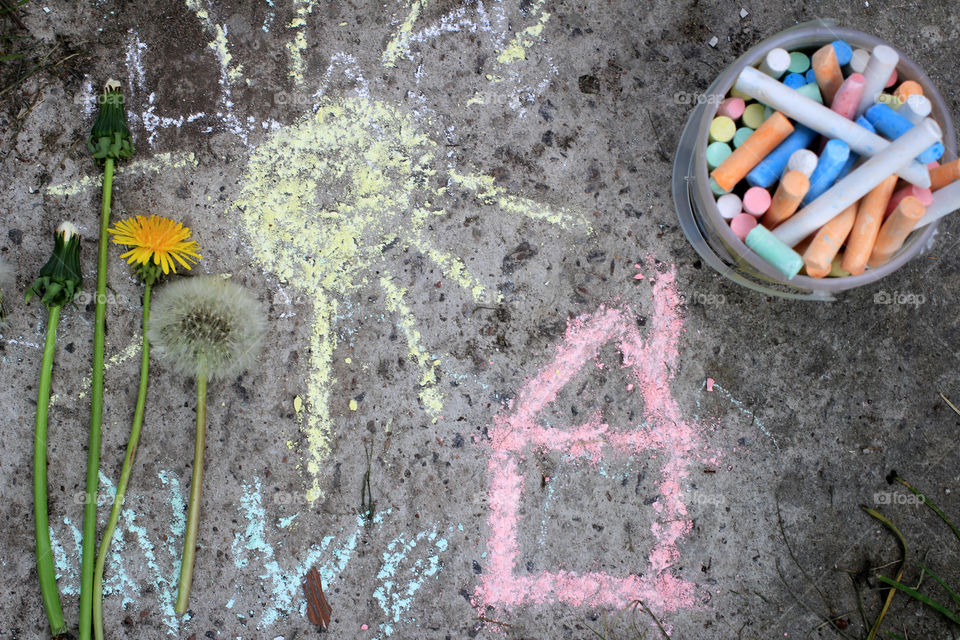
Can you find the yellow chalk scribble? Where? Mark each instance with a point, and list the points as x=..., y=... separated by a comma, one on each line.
x=400, y=41
x=516, y=49
x=429, y=394
x=155, y=164
x=322, y=201
x=219, y=44
x=298, y=45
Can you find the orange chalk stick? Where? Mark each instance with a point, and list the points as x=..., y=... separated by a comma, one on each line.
x=944, y=175
x=761, y=142
x=818, y=258
x=793, y=186
x=908, y=88
x=828, y=73
x=863, y=236
x=895, y=230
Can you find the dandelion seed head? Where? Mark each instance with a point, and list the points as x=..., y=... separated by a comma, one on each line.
x=207, y=324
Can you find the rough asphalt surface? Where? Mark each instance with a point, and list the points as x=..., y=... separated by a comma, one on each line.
x=538, y=137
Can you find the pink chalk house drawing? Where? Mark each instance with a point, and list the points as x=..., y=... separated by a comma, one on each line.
x=667, y=434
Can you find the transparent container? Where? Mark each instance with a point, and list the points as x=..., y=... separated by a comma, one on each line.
x=697, y=211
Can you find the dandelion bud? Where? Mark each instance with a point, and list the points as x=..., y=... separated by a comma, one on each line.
x=60, y=279
x=110, y=137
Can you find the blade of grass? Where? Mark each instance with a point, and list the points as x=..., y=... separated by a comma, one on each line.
x=903, y=543
x=953, y=594
x=916, y=595
x=927, y=502
x=643, y=606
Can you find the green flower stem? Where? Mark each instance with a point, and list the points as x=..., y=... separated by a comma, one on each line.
x=193, y=509
x=96, y=415
x=48, y=578
x=124, y=473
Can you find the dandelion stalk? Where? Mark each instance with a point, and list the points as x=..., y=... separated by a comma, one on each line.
x=156, y=243
x=58, y=284
x=193, y=511
x=109, y=141
x=210, y=329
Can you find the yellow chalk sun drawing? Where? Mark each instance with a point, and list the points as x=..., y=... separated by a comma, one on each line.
x=322, y=198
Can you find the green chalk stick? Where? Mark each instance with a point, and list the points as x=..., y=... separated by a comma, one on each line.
x=773, y=250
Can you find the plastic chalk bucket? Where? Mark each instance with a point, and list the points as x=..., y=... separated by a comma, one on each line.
x=697, y=211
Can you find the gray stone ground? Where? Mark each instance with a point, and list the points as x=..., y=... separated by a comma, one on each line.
x=587, y=121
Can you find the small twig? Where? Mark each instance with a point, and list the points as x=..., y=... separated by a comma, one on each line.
x=502, y=624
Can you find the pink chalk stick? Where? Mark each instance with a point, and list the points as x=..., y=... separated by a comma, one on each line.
x=732, y=108
x=742, y=225
x=892, y=81
x=925, y=196
x=756, y=201
x=847, y=98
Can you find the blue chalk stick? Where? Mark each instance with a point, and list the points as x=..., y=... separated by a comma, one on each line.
x=771, y=168
x=891, y=124
x=852, y=160
x=794, y=80
x=832, y=160
x=810, y=76
x=843, y=50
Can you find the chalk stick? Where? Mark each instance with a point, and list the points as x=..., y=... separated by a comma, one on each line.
x=732, y=108
x=812, y=91
x=756, y=201
x=818, y=258
x=858, y=61
x=799, y=62
x=867, y=225
x=729, y=206
x=753, y=115
x=771, y=168
x=794, y=80
x=775, y=63
x=764, y=140
x=843, y=52
x=832, y=160
x=944, y=175
x=945, y=201
x=823, y=120
x=741, y=136
x=717, y=189
x=895, y=230
x=773, y=250
x=883, y=61
x=722, y=129
x=717, y=152
x=915, y=108
x=786, y=200
x=827, y=70
x=804, y=161
x=892, y=125
x=925, y=196
x=858, y=183
x=852, y=160
x=742, y=224
x=847, y=98
x=908, y=88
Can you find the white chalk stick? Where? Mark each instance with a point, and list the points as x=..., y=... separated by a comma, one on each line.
x=945, y=201
x=823, y=120
x=916, y=108
x=858, y=62
x=858, y=183
x=802, y=160
x=882, y=63
x=775, y=63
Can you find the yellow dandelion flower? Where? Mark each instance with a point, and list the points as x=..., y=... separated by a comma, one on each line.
x=158, y=240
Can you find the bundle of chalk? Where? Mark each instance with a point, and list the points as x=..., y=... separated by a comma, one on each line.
x=824, y=162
